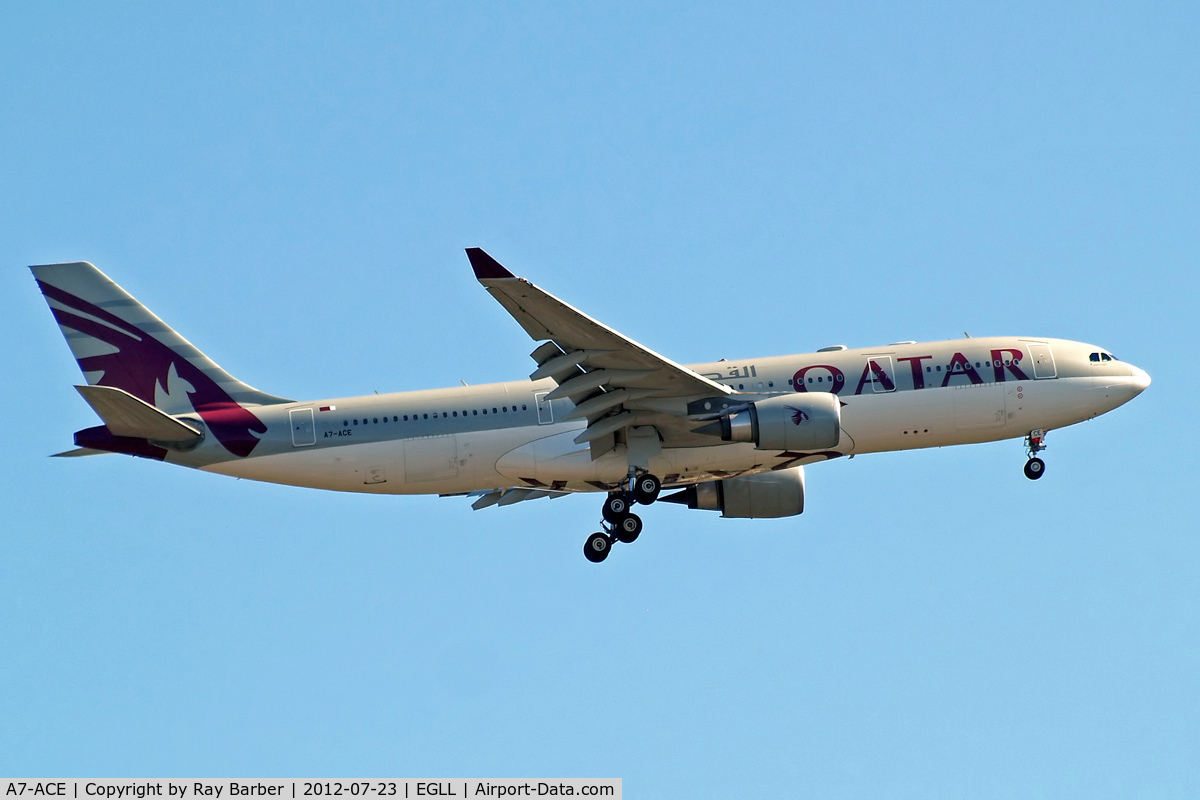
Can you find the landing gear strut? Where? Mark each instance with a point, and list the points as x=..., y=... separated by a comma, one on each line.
x=620, y=524
x=1035, y=442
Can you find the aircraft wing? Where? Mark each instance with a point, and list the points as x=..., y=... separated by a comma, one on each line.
x=506, y=497
x=613, y=381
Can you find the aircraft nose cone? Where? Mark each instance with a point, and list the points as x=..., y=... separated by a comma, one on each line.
x=1140, y=379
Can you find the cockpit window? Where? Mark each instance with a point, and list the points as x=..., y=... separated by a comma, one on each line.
x=1095, y=357
x=1105, y=357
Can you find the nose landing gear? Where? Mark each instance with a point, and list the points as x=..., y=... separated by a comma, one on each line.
x=620, y=524
x=1034, y=444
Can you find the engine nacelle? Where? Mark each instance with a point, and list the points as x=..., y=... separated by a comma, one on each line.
x=806, y=421
x=766, y=495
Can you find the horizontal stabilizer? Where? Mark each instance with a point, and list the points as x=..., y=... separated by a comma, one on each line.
x=125, y=415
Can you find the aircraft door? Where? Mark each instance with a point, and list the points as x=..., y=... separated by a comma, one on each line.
x=880, y=374
x=1043, y=361
x=544, y=409
x=304, y=430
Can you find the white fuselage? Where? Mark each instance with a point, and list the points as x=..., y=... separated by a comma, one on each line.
x=476, y=438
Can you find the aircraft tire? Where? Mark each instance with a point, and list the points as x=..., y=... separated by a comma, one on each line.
x=628, y=528
x=597, y=547
x=646, y=489
x=1035, y=468
x=615, y=507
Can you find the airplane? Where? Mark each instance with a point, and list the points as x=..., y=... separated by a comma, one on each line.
x=599, y=412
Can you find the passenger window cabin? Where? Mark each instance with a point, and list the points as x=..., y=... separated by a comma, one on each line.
x=346, y=423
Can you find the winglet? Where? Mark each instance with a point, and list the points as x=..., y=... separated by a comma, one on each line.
x=485, y=266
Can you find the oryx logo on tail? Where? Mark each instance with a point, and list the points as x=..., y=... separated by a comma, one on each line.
x=112, y=351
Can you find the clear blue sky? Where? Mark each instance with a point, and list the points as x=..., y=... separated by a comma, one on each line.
x=291, y=187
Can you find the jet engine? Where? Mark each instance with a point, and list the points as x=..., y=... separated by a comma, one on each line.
x=804, y=421
x=766, y=495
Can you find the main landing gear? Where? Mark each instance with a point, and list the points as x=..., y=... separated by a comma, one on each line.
x=620, y=524
x=1035, y=442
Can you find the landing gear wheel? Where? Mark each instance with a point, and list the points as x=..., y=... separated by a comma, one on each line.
x=596, y=547
x=615, y=507
x=646, y=489
x=1035, y=468
x=628, y=528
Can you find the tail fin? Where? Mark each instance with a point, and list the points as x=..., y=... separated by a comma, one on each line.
x=119, y=343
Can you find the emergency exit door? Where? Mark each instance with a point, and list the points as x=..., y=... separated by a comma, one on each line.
x=304, y=430
x=1043, y=361
x=544, y=409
